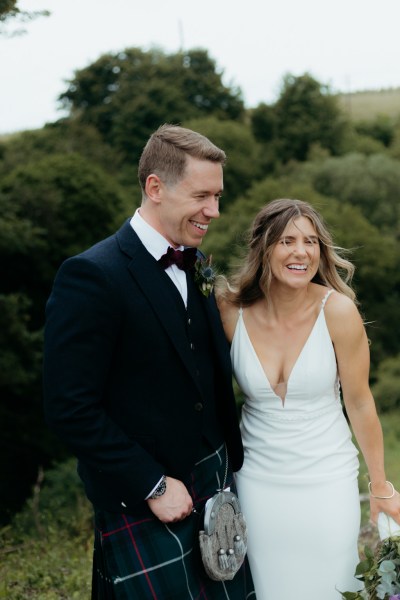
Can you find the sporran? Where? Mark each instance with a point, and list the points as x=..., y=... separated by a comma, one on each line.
x=223, y=541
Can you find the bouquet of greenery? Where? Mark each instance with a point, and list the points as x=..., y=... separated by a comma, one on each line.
x=380, y=570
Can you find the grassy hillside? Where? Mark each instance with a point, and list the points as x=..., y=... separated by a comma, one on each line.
x=368, y=105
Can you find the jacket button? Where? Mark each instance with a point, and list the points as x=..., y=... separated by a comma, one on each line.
x=198, y=406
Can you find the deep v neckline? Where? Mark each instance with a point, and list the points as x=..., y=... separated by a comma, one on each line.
x=282, y=399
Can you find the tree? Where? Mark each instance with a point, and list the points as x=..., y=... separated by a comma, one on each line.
x=126, y=96
x=304, y=115
x=370, y=182
x=10, y=11
x=243, y=165
x=63, y=137
x=50, y=209
x=380, y=129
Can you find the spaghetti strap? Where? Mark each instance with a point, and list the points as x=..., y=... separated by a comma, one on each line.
x=325, y=298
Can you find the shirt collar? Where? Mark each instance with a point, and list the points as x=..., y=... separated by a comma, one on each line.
x=153, y=241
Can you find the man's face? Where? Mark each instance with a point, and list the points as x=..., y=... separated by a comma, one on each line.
x=187, y=207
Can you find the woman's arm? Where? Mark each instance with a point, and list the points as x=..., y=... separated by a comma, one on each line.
x=352, y=354
x=229, y=316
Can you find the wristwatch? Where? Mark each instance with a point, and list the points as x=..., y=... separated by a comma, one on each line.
x=160, y=489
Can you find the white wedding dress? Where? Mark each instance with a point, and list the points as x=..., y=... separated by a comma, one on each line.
x=298, y=485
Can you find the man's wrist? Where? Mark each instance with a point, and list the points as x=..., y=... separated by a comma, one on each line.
x=160, y=489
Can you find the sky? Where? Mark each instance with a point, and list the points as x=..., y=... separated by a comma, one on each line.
x=350, y=45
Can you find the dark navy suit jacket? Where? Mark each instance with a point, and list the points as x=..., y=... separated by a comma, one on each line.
x=120, y=384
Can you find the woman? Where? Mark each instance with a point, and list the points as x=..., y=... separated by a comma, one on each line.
x=297, y=337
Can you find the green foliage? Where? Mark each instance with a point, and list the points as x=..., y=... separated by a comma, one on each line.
x=386, y=389
x=126, y=96
x=370, y=182
x=62, y=137
x=8, y=8
x=380, y=129
x=20, y=348
x=46, y=551
x=306, y=113
x=10, y=11
x=379, y=572
x=50, y=209
x=354, y=142
x=394, y=150
x=62, y=204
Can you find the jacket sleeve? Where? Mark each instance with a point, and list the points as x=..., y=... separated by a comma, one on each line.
x=83, y=318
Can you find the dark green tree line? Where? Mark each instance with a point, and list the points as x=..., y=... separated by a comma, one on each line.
x=50, y=209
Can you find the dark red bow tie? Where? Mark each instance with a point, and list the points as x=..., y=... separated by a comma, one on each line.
x=184, y=259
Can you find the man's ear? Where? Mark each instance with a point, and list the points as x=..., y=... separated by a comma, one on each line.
x=153, y=188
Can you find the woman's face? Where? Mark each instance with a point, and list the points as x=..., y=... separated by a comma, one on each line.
x=295, y=257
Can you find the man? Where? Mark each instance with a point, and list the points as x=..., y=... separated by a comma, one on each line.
x=137, y=381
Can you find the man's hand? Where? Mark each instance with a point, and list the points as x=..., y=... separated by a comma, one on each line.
x=175, y=505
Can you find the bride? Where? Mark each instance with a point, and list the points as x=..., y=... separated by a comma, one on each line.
x=297, y=339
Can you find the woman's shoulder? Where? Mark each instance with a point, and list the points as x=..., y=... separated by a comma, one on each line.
x=337, y=304
x=229, y=315
x=342, y=316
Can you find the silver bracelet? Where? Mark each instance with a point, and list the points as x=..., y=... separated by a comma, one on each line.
x=382, y=497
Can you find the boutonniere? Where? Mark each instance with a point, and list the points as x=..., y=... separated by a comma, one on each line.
x=204, y=275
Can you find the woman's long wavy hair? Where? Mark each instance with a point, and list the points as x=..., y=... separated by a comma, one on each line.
x=253, y=279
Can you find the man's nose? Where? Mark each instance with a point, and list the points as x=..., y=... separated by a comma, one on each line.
x=211, y=210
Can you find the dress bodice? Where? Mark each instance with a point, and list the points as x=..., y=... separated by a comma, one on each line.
x=309, y=425
x=313, y=383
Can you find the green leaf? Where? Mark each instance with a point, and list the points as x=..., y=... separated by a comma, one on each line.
x=364, y=566
x=368, y=552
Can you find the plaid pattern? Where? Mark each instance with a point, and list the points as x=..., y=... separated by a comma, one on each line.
x=142, y=558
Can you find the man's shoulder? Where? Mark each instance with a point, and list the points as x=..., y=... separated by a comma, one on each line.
x=106, y=249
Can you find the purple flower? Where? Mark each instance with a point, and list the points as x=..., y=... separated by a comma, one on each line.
x=396, y=597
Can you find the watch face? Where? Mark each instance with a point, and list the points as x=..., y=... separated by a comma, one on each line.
x=161, y=489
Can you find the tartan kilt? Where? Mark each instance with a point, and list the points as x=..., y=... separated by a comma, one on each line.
x=142, y=558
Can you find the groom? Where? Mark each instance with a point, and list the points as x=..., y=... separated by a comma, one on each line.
x=137, y=380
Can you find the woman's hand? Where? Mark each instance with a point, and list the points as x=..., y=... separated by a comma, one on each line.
x=389, y=506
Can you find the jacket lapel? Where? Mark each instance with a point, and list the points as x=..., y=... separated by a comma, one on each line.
x=146, y=272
